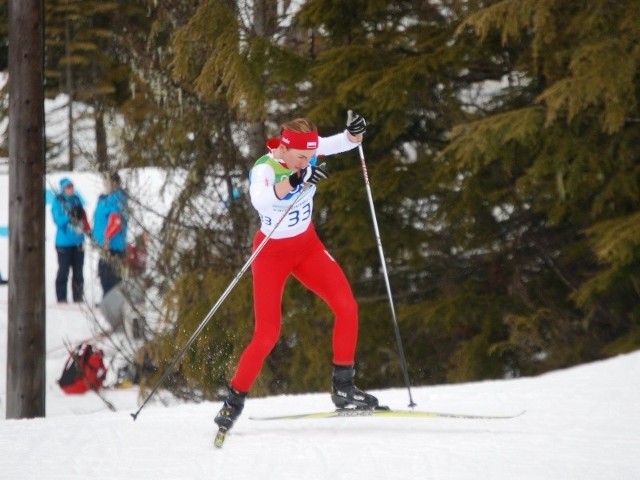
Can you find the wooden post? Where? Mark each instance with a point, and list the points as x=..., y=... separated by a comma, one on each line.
x=26, y=349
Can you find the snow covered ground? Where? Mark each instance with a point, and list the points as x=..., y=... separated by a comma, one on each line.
x=580, y=423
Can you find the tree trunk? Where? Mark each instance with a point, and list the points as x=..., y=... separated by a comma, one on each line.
x=26, y=331
x=102, y=159
x=70, y=94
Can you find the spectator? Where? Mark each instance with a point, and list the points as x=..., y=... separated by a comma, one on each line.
x=71, y=220
x=110, y=233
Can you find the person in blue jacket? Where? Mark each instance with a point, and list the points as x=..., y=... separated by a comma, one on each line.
x=71, y=220
x=110, y=233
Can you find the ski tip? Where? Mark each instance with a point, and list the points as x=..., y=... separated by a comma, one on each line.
x=220, y=437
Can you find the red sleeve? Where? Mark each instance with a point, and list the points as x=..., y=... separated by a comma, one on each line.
x=114, y=225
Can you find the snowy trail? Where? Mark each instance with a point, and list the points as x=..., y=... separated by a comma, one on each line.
x=581, y=423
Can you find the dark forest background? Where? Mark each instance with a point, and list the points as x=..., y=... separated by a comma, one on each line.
x=503, y=153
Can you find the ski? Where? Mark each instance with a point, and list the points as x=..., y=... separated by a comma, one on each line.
x=363, y=412
x=351, y=412
x=218, y=441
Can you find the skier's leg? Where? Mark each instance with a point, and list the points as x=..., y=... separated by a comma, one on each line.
x=269, y=278
x=321, y=274
x=270, y=272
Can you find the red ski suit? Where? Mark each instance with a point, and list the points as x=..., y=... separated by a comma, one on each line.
x=305, y=257
x=293, y=249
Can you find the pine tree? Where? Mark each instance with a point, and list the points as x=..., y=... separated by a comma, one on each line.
x=500, y=150
x=400, y=65
x=79, y=64
x=561, y=147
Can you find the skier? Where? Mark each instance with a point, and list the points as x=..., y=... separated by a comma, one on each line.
x=289, y=173
x=71, y=220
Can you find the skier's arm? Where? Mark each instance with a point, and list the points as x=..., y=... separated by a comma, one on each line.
x=262, y=189
x=338, y=143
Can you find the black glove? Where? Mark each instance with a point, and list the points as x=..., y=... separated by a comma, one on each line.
x=355, y=124
x=311, y=174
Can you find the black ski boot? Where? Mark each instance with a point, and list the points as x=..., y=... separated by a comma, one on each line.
x=346, y=394
x=231, y=409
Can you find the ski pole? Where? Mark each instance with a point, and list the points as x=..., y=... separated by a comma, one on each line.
x=213, y=310
x=403, y=362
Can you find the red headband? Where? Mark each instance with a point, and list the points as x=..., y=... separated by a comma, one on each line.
x=298, y=140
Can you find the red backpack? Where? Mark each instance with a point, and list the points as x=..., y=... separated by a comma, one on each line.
x=84, y=370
